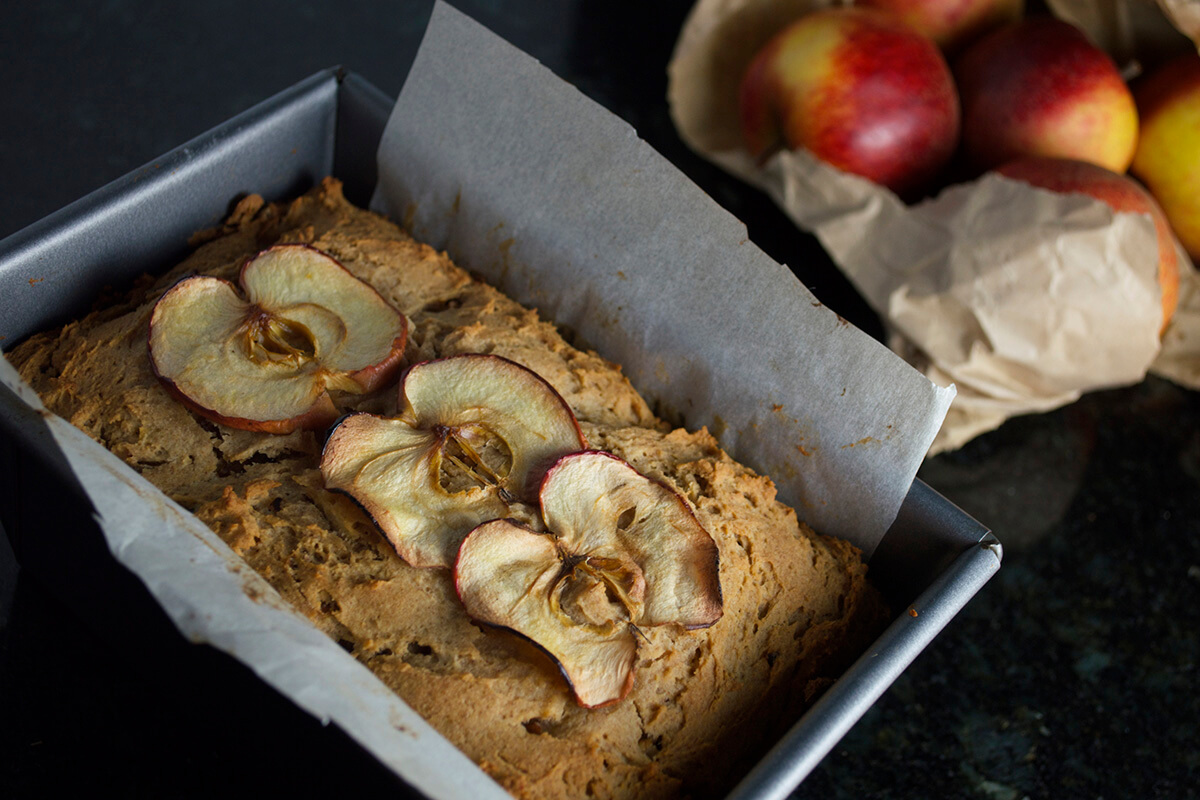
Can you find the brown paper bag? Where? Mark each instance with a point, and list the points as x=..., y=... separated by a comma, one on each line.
x=1022, y=298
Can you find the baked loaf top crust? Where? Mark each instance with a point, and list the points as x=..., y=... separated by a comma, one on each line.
x=704, y=703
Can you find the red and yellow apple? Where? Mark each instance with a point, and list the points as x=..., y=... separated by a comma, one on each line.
x=860, y=90
x=265, y=356
x=1121, y=193
x=1168, y=153
x=951, y=24
x=1039, y=88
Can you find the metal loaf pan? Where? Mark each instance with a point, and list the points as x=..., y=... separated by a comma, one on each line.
x=932, y=561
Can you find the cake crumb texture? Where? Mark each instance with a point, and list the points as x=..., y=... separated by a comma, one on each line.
x=704, y=705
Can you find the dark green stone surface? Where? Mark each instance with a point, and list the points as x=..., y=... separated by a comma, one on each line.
x=1074, y=672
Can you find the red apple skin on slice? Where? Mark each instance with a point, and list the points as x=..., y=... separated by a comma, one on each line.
x=597, y=503
x=505, y=575
x=264, y=359
x=283, y=275
x=456, y=415
x=622, y=551
x=512, y=401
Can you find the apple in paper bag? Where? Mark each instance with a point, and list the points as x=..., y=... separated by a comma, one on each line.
x=1040, y=88
x=1168, y=154
x=952, y=24
x=860, y=90
x=1120, y=193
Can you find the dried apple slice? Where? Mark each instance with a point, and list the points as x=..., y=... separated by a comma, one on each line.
x=265, y=358
x=623, y=551
x=507, y=575
x=473, y=439
x=599, y=505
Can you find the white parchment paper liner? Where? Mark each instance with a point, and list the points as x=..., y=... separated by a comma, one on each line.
x=212, y=596
x=561, y=204
x=1020, y=297
x=558, y=203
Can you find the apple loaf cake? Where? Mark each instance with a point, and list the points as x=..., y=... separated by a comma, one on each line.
x=583, y=600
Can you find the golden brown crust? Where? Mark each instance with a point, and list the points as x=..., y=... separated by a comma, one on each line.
x=704, y=703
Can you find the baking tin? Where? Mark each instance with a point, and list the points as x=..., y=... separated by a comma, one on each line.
x=932, y=561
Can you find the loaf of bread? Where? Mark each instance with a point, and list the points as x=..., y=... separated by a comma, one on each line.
x=704, y=703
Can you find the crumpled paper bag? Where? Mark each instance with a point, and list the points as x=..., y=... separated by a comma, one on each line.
x=1133, y=31
x=1184, y=15
x=1021, y=297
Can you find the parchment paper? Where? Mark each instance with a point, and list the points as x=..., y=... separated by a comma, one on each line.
x=1021, y=298
x=213, y=597
x=560, y=203
x=563, y=207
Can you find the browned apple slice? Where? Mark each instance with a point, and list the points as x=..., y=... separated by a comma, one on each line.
x=622, y=551
x=511, y=576
x=473, y=439
x=599, y=505
x=265, y=358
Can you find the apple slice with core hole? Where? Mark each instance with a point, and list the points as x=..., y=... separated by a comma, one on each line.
x=509, y=575
x=622, y=551
x=265, y=358
x=474, y=436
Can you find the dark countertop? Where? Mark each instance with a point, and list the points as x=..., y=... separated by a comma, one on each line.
x=1072, y=674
